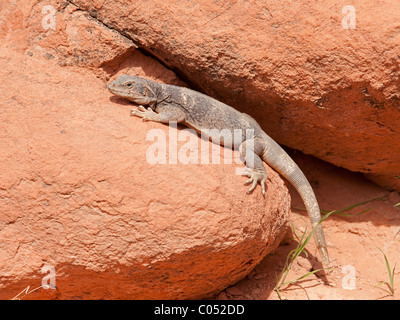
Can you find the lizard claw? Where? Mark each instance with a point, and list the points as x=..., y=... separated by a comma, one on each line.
x=256, y=177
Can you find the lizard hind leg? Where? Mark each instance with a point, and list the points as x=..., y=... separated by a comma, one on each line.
x=251, y=150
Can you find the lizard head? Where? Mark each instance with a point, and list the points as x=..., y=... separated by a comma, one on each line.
x=133, y=88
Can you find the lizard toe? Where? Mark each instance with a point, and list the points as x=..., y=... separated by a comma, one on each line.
x=137, y=113
x=141, y=108
x=253, y=186
x=255, y=178
x=263, y=185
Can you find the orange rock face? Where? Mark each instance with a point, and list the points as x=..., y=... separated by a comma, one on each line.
x=77, y=193
x=319, y=77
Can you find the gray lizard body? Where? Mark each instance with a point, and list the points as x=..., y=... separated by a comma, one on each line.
x=198, y=111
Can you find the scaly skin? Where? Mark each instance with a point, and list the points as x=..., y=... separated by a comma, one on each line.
x=171, y=103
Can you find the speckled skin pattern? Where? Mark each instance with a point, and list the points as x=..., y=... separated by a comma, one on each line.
x=200, y=112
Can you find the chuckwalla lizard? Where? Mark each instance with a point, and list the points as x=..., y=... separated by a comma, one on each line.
x=167, y=103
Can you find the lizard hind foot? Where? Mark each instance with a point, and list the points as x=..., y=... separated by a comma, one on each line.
x=255, y=178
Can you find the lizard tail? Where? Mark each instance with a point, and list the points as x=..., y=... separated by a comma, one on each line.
x=303, y=187
x=277, y=158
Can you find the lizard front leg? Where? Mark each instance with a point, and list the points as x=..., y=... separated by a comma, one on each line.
x=164, y=115
x=251, y=150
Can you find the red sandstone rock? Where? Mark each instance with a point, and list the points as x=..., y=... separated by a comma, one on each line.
x=311, y=83
x=301, y=81
x=77, y=193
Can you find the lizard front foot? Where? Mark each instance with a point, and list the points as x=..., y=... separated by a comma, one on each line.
x=145, y=114
x=256, y=177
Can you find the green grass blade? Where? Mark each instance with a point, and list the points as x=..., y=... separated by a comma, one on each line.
x=392, y=278
x=386, y=261
x=342, y=211
x=293, y=254
x=390, y=273
x=302, y=277
x=361, y=203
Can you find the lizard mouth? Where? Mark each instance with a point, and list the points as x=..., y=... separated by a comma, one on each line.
x=120, y=93
x=117, y=92
x=112, y=89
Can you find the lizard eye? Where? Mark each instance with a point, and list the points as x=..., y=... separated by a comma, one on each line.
x=129, y=84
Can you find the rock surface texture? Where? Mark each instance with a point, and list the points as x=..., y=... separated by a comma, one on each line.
x=314, y=77
x=319, y=77
x=77, y=193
